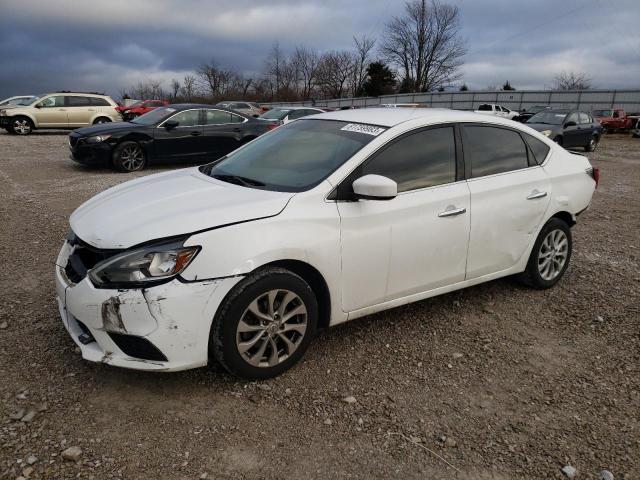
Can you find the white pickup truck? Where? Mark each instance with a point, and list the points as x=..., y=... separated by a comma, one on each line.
x=497, y=110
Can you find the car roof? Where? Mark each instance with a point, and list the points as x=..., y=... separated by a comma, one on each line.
x=390, y=117
x=296, y=107
x=187, y=106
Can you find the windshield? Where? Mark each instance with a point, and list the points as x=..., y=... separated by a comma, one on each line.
x=295, y=157
x=538, y=108
x=551, y=118
x=154, y=116
x=275, y=114
x=603, y=113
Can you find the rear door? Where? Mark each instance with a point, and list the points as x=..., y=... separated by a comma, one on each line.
x=183, y=143
x=509, y=196
x=223, y=132
x=418, y=240
x=80, y=110
x=52, y=112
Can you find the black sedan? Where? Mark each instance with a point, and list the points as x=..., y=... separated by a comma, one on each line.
x=569, y=128
x=177, y=133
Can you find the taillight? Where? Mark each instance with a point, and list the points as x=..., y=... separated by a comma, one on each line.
x=594, y=172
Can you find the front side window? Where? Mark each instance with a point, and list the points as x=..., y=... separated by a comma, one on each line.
x=418, y=160
x=188, y=118
x=584, y=118
x=573, y=118
x=275, y=114
x=295, y=157
x=52, y=102
x=493, y=150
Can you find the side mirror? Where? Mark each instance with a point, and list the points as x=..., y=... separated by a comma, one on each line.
x=171, y=124
x=375, y=187
x=570, y=124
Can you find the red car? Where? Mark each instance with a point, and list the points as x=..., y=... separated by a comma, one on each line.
x=614, y=119
x=140, y=108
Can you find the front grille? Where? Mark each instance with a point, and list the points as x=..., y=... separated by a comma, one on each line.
x=84, y=258
x=137, y=347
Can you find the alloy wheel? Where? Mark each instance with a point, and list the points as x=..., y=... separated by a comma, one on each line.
x=21, y=126
x=132, y=158
x=271, y=328
x=553, y=254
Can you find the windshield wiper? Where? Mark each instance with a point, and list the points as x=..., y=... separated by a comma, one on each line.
x=238, y=180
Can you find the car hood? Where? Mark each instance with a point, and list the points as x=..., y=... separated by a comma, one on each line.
x=543, y=126
x=109, y=128
x=169, y=204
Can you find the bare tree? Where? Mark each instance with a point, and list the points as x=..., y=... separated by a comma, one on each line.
x=274, y=69
x=305, y=62
x=425, y=44
x=214, y=80
x=334, y=71
x=175, y=88
x=571, y=81
x=188, y=87
x=363, y=47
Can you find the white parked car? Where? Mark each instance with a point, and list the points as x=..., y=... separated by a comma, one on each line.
x=321, y=221
x=497, y=110
x=284, y=115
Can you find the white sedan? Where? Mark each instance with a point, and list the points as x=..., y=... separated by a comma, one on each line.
x=318, y=222
x=497, y=110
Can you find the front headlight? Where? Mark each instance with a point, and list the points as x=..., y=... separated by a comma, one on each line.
x=98, y=138
x=144, y=266
x=546, y=133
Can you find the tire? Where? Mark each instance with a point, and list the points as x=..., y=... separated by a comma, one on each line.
x=21, y=125
x=101, y=120
x=263, y=335
x=549, y=245
x=129, y=157
x=592, y=145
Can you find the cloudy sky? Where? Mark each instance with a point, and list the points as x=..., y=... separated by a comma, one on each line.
x=108, y=45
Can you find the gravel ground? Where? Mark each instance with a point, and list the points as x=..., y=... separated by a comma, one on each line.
x=493, y=382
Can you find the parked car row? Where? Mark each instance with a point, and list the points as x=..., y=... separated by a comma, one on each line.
x=319, y=221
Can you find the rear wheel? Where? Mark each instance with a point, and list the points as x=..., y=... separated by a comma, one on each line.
x=550, y=256
x=129, y=157
x=21, y=126
x=593, y=143
x=101, y=120
x=265, y=324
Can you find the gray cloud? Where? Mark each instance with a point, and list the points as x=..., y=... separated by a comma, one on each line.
x=108, y=45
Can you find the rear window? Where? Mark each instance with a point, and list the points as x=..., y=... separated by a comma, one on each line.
x=485, y=108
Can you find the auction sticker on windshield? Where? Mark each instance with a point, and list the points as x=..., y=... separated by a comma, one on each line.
x=361, y=128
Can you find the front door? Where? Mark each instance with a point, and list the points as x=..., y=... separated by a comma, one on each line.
x=508, y=197
x=52, y=112
x=183, y=143
x=415, y=242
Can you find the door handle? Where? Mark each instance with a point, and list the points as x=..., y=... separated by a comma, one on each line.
x=536, y=194
x=450, y=212
x=195, y=133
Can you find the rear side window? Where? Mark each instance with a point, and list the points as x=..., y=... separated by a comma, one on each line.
x=78, y=102
x=494, y=150
x=218, y=117
x=99, y=102
x=539, y=149
x=419, y=160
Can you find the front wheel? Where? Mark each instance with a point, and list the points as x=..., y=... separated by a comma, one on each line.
x=550, y=256
x=21, y=126
x=265, y=324
x=129, y=157
x=101, y=120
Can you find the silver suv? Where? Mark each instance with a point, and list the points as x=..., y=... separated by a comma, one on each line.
x=64, y=110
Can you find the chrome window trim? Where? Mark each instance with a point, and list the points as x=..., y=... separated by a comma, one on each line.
x=245, y=120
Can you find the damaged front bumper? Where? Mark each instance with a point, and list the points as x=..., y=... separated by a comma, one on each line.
x=164, y=328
